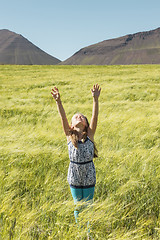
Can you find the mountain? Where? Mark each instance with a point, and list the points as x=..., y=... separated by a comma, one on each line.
x=138, y=48
x=15, y=49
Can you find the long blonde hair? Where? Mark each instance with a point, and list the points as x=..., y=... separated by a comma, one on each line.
x=74, y=137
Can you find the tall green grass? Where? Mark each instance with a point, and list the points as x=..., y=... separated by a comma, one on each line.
x=35, y=198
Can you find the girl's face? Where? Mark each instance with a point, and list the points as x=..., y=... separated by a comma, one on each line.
x=79, y=119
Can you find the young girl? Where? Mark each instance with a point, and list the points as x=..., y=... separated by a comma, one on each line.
x=80, y=138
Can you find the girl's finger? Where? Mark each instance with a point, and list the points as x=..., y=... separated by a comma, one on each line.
x=98, y=87
x=56, y=88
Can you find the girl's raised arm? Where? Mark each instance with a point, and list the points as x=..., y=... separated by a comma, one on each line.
x=93, y=124
x=56, y=95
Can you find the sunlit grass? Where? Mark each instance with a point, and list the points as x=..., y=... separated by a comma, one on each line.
x=36, y=202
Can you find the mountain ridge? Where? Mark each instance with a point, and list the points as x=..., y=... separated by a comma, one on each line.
x=137, y=48
x=16, y=49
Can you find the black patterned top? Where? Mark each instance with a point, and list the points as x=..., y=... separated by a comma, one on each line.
x=81, y=171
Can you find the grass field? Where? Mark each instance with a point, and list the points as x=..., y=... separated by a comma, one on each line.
x=35, y=198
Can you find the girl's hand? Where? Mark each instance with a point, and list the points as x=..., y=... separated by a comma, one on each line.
x=96, y=91
x=55, y=94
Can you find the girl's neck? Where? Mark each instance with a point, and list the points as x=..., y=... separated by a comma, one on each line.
x=80, y=132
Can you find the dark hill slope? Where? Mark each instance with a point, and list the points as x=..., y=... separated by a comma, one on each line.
x=139, y=48
x=15, y=49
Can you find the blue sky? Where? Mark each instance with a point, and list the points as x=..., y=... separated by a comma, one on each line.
x=62, y=27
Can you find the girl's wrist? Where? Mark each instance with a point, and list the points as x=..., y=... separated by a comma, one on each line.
x=95, y=99
x=58, y=101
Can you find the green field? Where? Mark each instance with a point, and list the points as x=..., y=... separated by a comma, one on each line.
x=35, y=198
